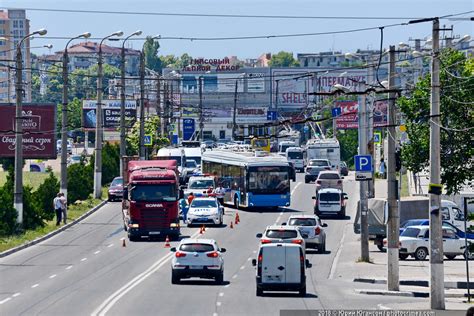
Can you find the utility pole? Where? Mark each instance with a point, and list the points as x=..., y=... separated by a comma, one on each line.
x=159, y=106
x=201, y=123
x=171, y=111
x=393, y=223
x=18, y=194
x=234, y=118
x=122, y=108
x=363, y=185
x=276, y=108
x=436, y=240
x=142, y=105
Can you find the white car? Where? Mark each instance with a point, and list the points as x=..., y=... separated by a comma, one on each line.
x=311, y=229
x=206, y=210
x=329, y=179
x=330, y=202
x=200, y=258
x=414, y=241
x=282, y=234
x=199, y=185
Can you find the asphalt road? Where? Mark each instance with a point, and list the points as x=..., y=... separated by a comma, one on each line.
x=86, y=270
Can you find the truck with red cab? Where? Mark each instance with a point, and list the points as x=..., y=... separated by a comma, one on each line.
x=150, y=203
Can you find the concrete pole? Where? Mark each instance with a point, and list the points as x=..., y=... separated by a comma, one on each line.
x=98, y=131
x=201, y=123
x=122, y=108
x=393, y=223
x=18, y=189
x=234, y=117
x=63, y=180
x=160, y=107
x=436, y=240
x=142, y=105
x=363, y=185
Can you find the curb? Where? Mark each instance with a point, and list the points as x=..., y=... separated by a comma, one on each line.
x=422, y=283
x=407, y=293
x=53, y=233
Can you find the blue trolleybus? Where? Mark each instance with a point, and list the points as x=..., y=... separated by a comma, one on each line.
x=250, y=179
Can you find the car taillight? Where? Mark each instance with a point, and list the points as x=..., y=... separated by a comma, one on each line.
x=318, y=182
x=301, y=259
x=385, y=242
x=265, y=241
x=213, y=254
x=339, y=182
x=297, y=241
x=260, y=258
x=180, y=254
x=317, y=230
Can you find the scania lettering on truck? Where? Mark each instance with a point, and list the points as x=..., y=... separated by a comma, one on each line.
x=150, y=204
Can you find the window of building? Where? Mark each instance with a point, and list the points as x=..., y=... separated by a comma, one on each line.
x=20, y=23
x=15, y=23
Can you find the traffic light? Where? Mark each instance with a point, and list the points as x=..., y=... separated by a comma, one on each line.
x=398, y=159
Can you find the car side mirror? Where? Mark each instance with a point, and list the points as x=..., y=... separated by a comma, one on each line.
x=254, y=262
x=259, y=235
x=342, y=177
x=308, y=264
x=173, y=249
x=125, y=193
x=324, y=225
x=283, y=224
x=346, y=198
x=223, y=250
x=313, y=197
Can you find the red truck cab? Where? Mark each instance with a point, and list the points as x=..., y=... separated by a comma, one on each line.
x=150, y=204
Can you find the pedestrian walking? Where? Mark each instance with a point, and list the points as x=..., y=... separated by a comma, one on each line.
x=57, y=204
x=64, y=207
x=382, y=168
x=190, y=198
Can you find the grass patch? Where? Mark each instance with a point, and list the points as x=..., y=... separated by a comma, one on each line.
x=32, y=179
x=74, y=212
x=359, y=260
x=405, y=190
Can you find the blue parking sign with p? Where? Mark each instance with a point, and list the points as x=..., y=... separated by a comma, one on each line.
x=363, y=163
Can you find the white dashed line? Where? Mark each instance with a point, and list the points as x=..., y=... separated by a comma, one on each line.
x=215, y=314
x=52, y=276
x=242, y=267
x=382, y=307
x=83, y=259
x=234, y=276
x=218, y=303
x=255, y=251
x=5, y=300
x=98, y=251
x=110, y=245
x=249, y=258
x=221, y=294
x=16, y=294
x=69, y=267
x=34, y=285
x=227, y=285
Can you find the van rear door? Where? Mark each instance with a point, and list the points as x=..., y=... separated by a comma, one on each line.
x=293, y=264
x=273, y=264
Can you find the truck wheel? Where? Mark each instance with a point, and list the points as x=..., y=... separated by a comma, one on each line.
x=342, y=214
x=236, y=202
x=322, y=247
x=306, y=180
x=421, y=253
x=402, y=256
x=259, y=291
x=450, y=257
x=220, y=278
x=381, y=248
x=302, y=291
x=468, y=255
x=174, y=278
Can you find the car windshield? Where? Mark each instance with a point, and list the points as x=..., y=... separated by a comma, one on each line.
x=146, y=193
x=117, y=182
x=201, y=184
x=302, y=222
x=318, y=163
x=203, y=203
x=197, y=160
x=191, y=164
x=412, y=222
x=329, y=176
x=269, y=180
x=281, y=233
x=295, y=155
x=283, y=148
x=196, y=247
x=329, y=197
x=411, y=232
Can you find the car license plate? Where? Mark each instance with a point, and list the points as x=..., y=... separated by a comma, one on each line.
x=154, y=233
x=195, y=267
x=283, y=196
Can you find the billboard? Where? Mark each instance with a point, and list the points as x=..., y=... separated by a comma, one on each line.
x=110, y=113
x=256, y=82
x=39, y=131
x=349, y=117
x=189, y=128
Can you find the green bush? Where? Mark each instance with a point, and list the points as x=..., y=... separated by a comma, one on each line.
x=44, y=196
x=110, y=162
x=80, y=182
x=8, y=214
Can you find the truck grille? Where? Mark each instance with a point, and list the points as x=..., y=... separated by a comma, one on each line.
x=155, y=218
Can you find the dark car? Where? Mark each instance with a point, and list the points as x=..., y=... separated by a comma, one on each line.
x=344, y=171
x=116, y=189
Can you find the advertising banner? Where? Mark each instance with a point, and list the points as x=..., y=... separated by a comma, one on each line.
x=189, y=128
x=110, y=113
x=39, y=131
x=256, y=82
x=349, y=117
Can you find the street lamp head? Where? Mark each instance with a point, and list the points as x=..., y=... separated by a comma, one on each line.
x=341, y=88
x=118, y=33
x=41, y=32
x=417, y=54
x=85, y=35
x=385, y=84
x=465, y=38
x=157, y=36
x=403, y=45
x=49, y=46
x=137, y=33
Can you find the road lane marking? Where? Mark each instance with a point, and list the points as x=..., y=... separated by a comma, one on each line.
x=242, y=267
x=83, y=259
x=249, y=258
x=218, y=303
x=67, y=268
x=16, y=294
x=34, y=285
x=5, y=300
x=255, y=251
x=234, y=276
x=117, y=295
x=338, y=254
x=98, y=251
x=221, y=294
x=52, y=276
x=294, y=189
x=110, y=245
x=227, y=285
x=382, y=307
x=215, y=314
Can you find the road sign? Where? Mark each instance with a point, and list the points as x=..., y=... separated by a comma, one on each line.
x=363, y=166
x=147, y=140
x=378, y=138
x=336, y=112
x=271, y=115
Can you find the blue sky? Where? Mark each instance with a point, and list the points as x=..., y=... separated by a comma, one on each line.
x=68, y=24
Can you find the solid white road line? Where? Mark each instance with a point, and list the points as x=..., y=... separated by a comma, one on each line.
x=382, y=307
x=338, y=254
x=34, y=285
x=117, y=295
x=52, y=276
x=221, y=294
x=16, y=294
x=5, y=300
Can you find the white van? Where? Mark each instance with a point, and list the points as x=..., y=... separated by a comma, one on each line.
x=295, y=155
x=284, y=145
x=281, y=267
x=330, y=201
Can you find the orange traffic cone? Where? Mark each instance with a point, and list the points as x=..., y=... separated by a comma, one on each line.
x=123, y=243
x=231, y=225
x=200, y=230
x=237, y=218
x=167, y=242
x=203, y=228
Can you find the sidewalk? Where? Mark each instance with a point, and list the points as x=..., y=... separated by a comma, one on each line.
x=412, y=272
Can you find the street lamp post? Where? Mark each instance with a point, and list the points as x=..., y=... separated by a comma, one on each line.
x=98, y=124
x=18, y=188
x=201, y=117
x=122, y=100
x=63, y=181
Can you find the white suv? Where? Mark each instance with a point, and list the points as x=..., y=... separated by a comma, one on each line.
x=282, y=234
x=200, y=258
x=311, y=229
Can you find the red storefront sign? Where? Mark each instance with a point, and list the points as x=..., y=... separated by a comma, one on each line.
x=39, y=131
x=349, y=118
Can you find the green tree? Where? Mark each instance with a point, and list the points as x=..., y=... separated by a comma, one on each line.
x=283, y=59
x=80, y=181
x=457, y=120
x=152, y=127
x=44, y=196
x=110, y=162
x=8, y=214
x=169, y=61
x=348, y=140
x=150, y=48
x=74, y=117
